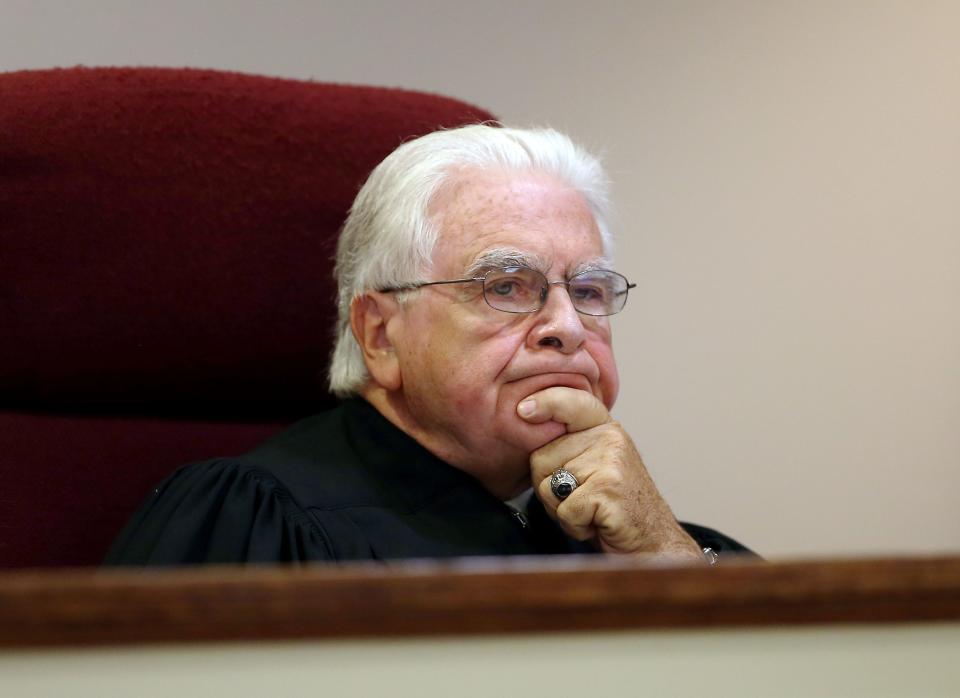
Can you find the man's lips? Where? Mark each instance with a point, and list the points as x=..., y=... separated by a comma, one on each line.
x=542, y=381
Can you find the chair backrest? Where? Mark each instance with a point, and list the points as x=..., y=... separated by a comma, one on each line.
x=166, y=244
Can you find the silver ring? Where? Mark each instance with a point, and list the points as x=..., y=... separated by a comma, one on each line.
x=563, y=483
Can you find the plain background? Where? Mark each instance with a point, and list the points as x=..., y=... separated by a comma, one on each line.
x=787, y=180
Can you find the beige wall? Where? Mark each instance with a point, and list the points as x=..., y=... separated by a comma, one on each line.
x=787, y=178
x=878, y=661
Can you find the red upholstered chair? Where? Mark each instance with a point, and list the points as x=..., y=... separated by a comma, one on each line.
x=166, y=239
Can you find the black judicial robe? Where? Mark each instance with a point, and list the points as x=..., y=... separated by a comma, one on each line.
x=342, y=485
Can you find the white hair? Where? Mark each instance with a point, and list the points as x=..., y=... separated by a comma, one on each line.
x=388, y=237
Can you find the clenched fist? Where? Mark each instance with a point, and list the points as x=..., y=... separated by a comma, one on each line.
x=616, y=505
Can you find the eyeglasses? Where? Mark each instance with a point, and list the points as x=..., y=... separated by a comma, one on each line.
x=518, y=289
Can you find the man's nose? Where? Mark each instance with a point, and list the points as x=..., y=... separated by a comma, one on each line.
x=557, y=324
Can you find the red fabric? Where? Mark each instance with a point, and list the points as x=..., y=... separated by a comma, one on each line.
x=166, y=234
x=165, y=249
x=71, y=482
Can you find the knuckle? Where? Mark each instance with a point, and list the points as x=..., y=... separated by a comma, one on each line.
x=614, y=479
x=571, y=510
x=609, y=435
x=540, y=463
x=544, y=491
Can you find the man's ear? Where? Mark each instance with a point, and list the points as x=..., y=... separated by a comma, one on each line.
x=369, y=316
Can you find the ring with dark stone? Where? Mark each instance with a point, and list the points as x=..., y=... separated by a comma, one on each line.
x=563, y=483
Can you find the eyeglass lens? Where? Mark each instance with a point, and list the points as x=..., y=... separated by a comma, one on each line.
x=523, y=290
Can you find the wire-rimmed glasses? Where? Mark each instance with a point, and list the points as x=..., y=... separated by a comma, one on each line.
x=518, y=289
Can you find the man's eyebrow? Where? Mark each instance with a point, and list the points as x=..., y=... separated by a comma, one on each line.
x=505, y=257
x=592, y=265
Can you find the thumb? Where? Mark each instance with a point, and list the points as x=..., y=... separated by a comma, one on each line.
x=578, y=409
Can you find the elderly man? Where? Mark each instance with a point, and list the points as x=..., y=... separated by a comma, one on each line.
x=474, y=360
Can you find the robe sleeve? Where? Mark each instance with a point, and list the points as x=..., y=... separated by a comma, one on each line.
x=220, y=511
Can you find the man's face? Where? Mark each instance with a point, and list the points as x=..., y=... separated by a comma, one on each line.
x=464, y=365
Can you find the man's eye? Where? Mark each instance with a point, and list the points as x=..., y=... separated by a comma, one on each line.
x=588, y=293
x=504, y=288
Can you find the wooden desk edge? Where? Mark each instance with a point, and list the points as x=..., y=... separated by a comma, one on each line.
x=87, y=606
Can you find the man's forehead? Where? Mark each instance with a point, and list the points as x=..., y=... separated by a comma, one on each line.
x=493, y=218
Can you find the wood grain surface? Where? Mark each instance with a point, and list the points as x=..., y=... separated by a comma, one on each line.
x=83, y=606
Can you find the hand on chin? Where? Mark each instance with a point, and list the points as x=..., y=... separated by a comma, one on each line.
x=533, y=436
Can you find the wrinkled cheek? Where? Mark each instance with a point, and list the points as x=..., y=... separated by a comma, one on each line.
x=609, y=377
x=470, y=390
x=612, y=387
